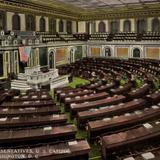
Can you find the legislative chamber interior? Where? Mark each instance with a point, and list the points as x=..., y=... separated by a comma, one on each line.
x=80, y=79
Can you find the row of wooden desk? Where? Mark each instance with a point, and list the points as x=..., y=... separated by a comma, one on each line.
x=122, y=89
x=89, y=111
x=120, y=112
x=63, y=96
x=85, y=98
x=63, y=150
x=105, y=87
x=149, y=154
x=24, y=111
x=31, y=97
x=24, y=104
x=94, y=85
x=101, y=112
x=44, y=134
x=65, y=90
x=71, y=149
x=37, y=92
x=30, y=121
x=140, y=92
x=75, y=108
x=137, y=138
x=127, y=120
x=6, y=95
x=154, y=98
x=33, y=122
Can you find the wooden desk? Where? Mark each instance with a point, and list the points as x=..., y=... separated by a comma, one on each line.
x=122, y=89
x=31, y=121
x=59, y=90
x=24, y=104
x=106, y=125
x=135, y=138
x=94, y=85
x=140, y=92
x=154, y=98
x=74, y=94
x=31, y=98
x=74, y=108
x=67, y=91
x=94, y=114
x=37, y=135
x=3, y=97
x=63, y=150
x=151, y=154
x=85, y=98
x=105, y=87
x=40, y=92
x=14, y=112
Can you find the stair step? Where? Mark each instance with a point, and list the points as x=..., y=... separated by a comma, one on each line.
x=20, y=85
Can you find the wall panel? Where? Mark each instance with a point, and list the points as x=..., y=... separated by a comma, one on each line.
x=153, y=53
x=95, y=52
x=122, y=52
x=61, y=56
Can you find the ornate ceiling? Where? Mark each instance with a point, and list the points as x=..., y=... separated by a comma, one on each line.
x=106, y=9
x=87, y=10
x=95, y=4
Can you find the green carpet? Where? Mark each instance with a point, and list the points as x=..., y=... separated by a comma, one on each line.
x=78, y=81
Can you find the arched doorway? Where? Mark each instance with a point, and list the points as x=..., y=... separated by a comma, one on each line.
x=114, y=27
x=87, y=27
x=69, y=27
x=52, y=26
x=42, y=25
x=127, y=26
x=93, y=27
x=155, y=25
x=102, y=27
x=72, y=54
x=52, y=59
x=16, y=22
x=2, y=21
x=30, y=23
x=61, y=26
x=107, y=52
x=141, y=26
x=136, y=53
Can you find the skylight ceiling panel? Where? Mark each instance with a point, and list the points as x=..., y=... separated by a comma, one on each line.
x=84, y=6
x=94, y=4
x=77, y=3
x=119, y=5
x=112, y=2
x=107, y=3
x=60, y=0
x=130, y=1
x=102, y=5
x=93, y=1
x=71, y=1
x=149, y=0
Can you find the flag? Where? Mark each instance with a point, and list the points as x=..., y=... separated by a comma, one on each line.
x=24, y=53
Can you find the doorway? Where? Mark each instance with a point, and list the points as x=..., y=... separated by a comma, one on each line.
x=107, y=52
x=136, y=53
x=51, y=59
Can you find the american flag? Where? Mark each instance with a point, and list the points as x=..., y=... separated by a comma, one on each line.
x=24, y=53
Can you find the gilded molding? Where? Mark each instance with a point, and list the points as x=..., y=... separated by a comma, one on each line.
x=21, y=8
